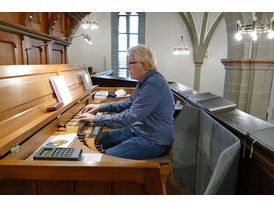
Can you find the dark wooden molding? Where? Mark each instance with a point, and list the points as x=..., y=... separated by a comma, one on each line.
x=23, y=30
x=9, y=42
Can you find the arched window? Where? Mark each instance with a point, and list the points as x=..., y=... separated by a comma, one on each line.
x=129, y=32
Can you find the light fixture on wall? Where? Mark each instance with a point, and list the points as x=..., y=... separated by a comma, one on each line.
x=94, y=25
x=86, y=23
x=84, y=35
x=181, y=49
x=254, y=29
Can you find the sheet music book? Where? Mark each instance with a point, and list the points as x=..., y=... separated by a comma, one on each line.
x=86, y=81
x=61, y=89
x=202, y=96
x=212, y=102
x=180, y=88
x=265, y=136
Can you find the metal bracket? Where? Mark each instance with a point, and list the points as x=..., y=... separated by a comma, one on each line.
x=14, y=148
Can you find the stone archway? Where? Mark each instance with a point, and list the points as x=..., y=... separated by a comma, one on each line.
x=200, y=27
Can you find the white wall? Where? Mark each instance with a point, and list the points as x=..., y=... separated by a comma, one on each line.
x=162, y=33
x=99, y=54
x=212, y=71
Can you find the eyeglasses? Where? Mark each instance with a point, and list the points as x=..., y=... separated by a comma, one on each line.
x=132, y=63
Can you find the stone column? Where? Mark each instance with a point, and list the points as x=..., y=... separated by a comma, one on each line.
x=197, y=75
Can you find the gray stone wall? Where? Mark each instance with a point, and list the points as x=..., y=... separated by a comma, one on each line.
x=249, y=68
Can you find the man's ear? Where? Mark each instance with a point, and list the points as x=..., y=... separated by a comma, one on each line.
x=144, y=65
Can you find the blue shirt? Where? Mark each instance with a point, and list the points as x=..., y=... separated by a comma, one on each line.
x=149, y=110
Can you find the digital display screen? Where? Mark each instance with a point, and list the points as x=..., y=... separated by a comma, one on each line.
x=45, y=152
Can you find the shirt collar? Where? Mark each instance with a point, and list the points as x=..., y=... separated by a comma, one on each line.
x=147, y=75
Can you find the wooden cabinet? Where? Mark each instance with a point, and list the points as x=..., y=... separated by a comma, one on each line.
x=21, y=33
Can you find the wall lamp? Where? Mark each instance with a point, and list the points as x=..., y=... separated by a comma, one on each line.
x=84, y=35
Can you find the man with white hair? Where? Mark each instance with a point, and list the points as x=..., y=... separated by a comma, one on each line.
x=143, y=123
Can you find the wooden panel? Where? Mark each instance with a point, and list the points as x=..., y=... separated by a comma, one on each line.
x=55, y=187
x=13, y=17
x=8, y=17
x=23, y=118
x=122, y=188
x=56, y=54
x=254, y=177
x=36, y=21
x=17, y=187
x=42, y=22
x=129, y=176
x=10, y=49
x=34, y=55
x=13, y=88
x=32, y=144
x=38, y=25
x=59, y=29
x=74, y=81
x=7, y=57
x=92, y=188
x=28, y=92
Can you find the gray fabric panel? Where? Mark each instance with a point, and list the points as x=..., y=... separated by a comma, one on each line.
x=204, y=168
x=214, y=140
x=223, y=181
x=186, y=131
x=205, y=154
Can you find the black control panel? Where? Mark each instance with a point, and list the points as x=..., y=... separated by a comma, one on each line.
x=52, y=153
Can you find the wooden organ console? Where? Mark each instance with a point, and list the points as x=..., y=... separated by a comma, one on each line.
x=26, y=92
